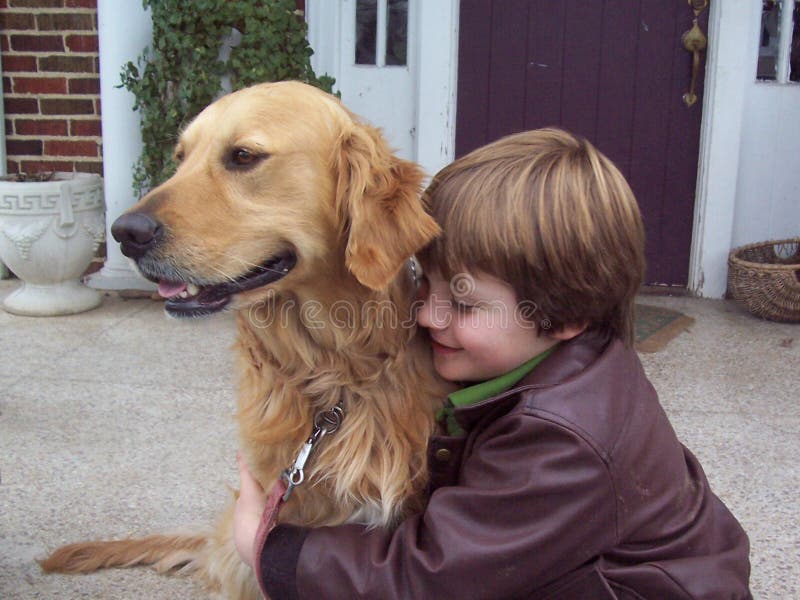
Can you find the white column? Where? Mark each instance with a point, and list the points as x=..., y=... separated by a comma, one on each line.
x=124, y=30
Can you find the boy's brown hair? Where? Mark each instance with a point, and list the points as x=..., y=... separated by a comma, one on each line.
x=550, y=215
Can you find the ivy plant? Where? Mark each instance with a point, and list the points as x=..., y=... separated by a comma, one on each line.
x=182, y=72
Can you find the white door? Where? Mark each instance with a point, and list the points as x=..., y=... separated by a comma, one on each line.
x=394, y=62
x=376, y=75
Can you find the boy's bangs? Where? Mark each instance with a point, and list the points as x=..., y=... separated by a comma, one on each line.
x=469, y=239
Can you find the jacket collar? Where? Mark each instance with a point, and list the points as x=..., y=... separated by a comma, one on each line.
x=566, y=361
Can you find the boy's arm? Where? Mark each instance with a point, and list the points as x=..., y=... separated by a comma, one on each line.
x=535, y=501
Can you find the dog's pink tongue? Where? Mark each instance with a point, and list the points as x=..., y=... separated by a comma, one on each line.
x=168, y=289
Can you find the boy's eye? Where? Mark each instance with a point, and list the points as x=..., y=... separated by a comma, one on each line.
x=464, y=307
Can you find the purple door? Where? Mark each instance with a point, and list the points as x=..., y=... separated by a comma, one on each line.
x=613, y=71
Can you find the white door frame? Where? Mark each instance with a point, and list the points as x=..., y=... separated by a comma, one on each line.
x=730, y=67
x=436, y=65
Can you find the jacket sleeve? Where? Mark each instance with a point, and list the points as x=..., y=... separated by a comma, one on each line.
x=534, y=501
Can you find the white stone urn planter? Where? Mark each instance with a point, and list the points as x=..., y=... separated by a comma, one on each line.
x=49, y=233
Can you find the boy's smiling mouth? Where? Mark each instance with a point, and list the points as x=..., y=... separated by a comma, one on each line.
x=440, y=348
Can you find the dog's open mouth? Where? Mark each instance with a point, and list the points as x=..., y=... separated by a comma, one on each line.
x=189, y=300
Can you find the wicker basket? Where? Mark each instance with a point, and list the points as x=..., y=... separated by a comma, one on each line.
x=765, y=278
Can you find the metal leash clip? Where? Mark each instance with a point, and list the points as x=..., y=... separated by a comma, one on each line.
x=325, y=422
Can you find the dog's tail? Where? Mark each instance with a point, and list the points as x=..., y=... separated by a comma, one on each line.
x=163, y=552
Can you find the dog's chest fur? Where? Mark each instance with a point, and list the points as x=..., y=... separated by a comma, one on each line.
x=373, y=469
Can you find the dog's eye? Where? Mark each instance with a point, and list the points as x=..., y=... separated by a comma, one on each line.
x=242, y=158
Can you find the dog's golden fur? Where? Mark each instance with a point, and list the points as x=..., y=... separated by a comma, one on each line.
x=336, y=328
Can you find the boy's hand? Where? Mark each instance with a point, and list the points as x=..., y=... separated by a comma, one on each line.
x=247, y=513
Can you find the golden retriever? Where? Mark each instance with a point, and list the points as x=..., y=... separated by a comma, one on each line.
x=290, y=211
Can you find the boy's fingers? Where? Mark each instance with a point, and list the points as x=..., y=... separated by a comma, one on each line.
x=247, y=483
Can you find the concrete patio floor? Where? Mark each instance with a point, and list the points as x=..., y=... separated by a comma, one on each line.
x=117, y=422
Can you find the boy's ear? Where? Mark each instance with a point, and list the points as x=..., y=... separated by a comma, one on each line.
x=378, y=199
x=567, y=332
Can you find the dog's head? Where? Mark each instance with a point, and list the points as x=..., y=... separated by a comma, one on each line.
x=275, y=183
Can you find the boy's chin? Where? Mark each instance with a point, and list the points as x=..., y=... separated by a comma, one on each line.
x=446, y=370
x=451, y=370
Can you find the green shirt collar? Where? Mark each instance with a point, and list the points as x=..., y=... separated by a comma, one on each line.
x=485, y=390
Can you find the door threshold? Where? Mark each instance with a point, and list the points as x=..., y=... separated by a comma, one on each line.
x=663, y=290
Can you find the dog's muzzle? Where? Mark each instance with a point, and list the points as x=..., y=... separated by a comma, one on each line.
x=186, y=295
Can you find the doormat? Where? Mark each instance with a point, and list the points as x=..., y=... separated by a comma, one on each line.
x=656, y=326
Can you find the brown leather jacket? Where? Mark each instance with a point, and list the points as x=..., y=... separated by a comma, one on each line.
x=572, y=485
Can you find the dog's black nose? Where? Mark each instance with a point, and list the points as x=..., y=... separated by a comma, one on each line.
x=136, y=233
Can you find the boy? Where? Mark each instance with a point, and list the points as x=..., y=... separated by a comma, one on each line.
x=556, y=473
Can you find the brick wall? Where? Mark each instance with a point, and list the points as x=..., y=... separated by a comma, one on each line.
x=51, y=85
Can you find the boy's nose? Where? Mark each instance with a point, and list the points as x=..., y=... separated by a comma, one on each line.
x=433, y=314
x=423, y=316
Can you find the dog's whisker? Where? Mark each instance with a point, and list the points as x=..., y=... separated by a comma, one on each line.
x=253, y=265
x=223, y=273
x=244, y=262
x=197, y=257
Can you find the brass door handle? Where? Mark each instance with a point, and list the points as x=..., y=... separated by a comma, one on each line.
x=695, y=42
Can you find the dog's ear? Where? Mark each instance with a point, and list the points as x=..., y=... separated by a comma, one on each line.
x=378, y=199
